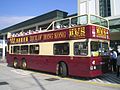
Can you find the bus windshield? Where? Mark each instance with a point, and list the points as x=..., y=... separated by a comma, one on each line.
x=98, y=20
x=99, y=48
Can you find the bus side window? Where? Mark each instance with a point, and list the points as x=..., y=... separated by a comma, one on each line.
x=24, y=49
x=61, y=49
x=34, y=49
x=16, y=49
x=80, y=48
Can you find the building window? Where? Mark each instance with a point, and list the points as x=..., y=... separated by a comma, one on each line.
x=61, y=49
x=105, y=8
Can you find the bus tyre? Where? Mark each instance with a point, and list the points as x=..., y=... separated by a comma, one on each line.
x=24, y=64
x=15, y=63
x=63, y=72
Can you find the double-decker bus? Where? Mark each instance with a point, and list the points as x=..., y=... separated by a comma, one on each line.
x=75, y=46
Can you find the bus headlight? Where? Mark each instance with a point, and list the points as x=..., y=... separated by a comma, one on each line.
x=91, y=67
x=94, y=67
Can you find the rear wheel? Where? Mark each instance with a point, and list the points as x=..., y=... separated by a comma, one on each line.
x=62, y=71
x=24, y=64
x=15, y=63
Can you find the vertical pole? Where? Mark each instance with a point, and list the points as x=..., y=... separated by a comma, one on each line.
x=3, y=53
x=78, y=7
x=37, y=27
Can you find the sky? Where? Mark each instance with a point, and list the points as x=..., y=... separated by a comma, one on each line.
x=16, y=11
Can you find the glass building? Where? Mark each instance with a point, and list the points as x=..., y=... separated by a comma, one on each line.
x=105, y=8
x=110, y=10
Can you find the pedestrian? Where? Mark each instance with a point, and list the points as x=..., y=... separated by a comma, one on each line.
x=114, y=60
x=118, y=64
x=110, y=61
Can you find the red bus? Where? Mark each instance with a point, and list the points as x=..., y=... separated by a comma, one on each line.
x=75, y=46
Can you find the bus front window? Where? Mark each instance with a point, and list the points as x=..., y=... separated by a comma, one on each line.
x=94, y=48
x=98, y=21
x=104, y=49
x=99, y=48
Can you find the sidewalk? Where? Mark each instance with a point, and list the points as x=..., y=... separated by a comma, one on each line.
x=2, y=60
x=108, y=78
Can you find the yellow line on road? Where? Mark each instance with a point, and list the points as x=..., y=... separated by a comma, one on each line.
x=87, y=82
x=81, y=81
x=95, y=83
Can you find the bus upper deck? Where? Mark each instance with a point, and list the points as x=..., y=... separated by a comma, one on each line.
x=69, y=22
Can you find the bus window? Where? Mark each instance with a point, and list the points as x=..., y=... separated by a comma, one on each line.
x=104, y=49
x=98, y=21
x=80, y=20
x=80, y=48
x=24, y=49
x=11, y=49
x=95, y=48
x=16, y=49
x=99, y=48
x=61, y=49
x=34, y=49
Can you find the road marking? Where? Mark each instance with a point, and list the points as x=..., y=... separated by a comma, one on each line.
x=102, y=81
x=21, y=72
x=95, y=81
x=108, y=84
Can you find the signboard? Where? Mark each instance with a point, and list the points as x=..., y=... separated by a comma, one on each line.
x=65, y=34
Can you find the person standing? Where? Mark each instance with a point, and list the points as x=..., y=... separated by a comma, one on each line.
x=118, y=64
x=110, y=61
x=114, y=60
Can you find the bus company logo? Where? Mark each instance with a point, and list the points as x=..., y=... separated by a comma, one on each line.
x=101, y=32
x=78, y=32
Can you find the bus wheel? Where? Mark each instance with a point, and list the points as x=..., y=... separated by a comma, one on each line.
x=24, y=64
x=62, y=71
x=15, y=63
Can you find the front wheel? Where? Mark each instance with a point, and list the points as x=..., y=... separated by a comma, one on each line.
x=62, y=71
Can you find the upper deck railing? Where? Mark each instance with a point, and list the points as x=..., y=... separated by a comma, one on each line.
x=68, y=23
x=79, y=20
